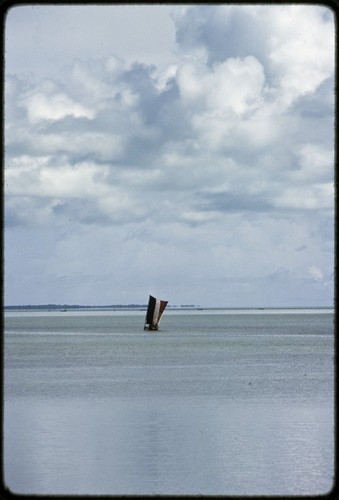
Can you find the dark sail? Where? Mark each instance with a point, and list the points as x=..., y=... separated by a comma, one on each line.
x=150, y=310
x=154, y=312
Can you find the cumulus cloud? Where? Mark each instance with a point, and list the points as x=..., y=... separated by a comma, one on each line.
x=120, y=117
x=54, y=107
x=294, y=44
x=235, y=138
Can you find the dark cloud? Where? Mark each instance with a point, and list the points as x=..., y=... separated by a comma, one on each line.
x=224, y=32
x=234, y=202
x=83, y=211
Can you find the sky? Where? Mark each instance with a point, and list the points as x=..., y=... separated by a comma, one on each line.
x=185, y=151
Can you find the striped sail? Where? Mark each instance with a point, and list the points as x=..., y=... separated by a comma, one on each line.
x=154, y=312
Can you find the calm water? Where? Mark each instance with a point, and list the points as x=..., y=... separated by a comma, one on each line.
x=216, y=403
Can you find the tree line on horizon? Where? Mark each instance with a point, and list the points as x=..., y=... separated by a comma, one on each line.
x=77, y=306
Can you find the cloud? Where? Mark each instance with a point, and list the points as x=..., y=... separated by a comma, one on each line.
x=220, y=33
x=294, y=44
x=223, y=157
x=118, y=117
x=231, y=87
x=316, y=162
x=46, y=107
x=302, y=50
x=316, y=273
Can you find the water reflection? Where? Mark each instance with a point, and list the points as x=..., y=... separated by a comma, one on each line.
x=164, y=446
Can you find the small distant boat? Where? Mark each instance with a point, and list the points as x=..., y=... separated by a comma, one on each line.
x=154, y=312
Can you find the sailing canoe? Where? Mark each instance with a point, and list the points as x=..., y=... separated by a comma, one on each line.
x=154, y=312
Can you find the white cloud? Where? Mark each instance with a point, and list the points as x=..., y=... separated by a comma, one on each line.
x=316, y=273
x=55, y=107
x=295, y=43
x=233, y=86
x=302, y=50
x=316, y=163
x=316, y=196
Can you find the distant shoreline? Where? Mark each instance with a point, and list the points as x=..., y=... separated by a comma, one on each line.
x=63, y=307
x=57, y=307
x=117, y=307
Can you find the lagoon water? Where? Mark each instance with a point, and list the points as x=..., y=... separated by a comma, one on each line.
x=216, y=403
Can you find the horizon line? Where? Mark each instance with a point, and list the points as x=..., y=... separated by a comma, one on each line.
x=133, y=305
